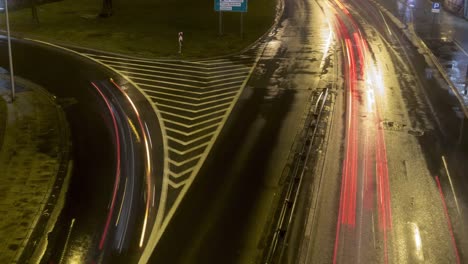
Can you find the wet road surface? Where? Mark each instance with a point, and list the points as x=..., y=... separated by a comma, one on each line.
x=379, y=193
x=387, y=195
x=227, y=214
x=99, y=221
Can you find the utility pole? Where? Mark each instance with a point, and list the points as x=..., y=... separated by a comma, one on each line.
x=12, y=78
x=242, y=25
x=220, y=23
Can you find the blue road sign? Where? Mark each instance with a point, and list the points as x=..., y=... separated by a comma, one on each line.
x=231, y=5
x=435, y=7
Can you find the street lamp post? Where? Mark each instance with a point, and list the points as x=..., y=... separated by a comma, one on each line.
x=12, y=79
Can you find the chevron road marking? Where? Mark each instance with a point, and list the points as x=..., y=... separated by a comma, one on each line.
x=193, y=100
x=191, y=97
x=193, y=118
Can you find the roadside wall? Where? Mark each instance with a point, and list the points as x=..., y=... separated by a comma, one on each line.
x=455, y=6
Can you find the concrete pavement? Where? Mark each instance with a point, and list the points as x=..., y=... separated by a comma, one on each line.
x=34, y=147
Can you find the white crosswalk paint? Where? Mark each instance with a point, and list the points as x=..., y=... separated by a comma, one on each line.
x=194, y=99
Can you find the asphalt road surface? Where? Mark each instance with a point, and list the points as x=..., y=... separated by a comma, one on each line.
x=226, y=215
x=109, y=199
x=384, y=191
x=382, y=187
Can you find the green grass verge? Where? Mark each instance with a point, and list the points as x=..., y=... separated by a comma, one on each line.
x=146, y=28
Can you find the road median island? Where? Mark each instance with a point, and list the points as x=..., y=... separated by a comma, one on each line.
x=35, y=143
x=146, y=28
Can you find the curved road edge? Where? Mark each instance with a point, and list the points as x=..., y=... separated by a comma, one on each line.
x=38, y=240
x=51, y=206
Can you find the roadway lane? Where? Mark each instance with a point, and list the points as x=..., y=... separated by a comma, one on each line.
x=193, y=99
x=390, y=208
x=227, y=214
x=114, y=193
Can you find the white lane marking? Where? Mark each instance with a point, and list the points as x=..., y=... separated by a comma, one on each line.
x=451, y=186
x=194, y=104
x=216, y=64
x=386, y=24
x=175, y=67
x=460, y=47
x=193, y=118
x=417, y=241
x=176, y=84
x=188, y=134
x=137, y=71
x=177, y=185
x=157, y=77
x=204, y=61
x=200, y=92
x=113, y=63
x=196, y=98
x=166, y=71
x=67, y=240
x=185, y=64
x=182, y=163
x=240, y=72
x=201, y=87
x=234, y=69
x=186, y=143
x=193, y=111
x=235, y=83
x=194, y=124
x=178, y=152
x=219, y=79
x=178, y=175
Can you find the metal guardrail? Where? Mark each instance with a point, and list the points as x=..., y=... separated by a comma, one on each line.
x=296, y=176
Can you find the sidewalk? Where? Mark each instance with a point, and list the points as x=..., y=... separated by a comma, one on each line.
x=444, y=33
x=447, y=36
x=32, y=131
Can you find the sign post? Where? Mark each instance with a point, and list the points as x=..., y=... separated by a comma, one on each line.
x=220, y=23
x=435, y=10
x=242, y=26
x=10, y=57
x=230, y=6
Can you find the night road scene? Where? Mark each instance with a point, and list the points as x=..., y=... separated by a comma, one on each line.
x=233, y=131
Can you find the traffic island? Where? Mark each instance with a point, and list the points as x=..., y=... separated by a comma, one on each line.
x=34, y=164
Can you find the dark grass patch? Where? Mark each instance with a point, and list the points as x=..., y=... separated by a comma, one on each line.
x=147, y=27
